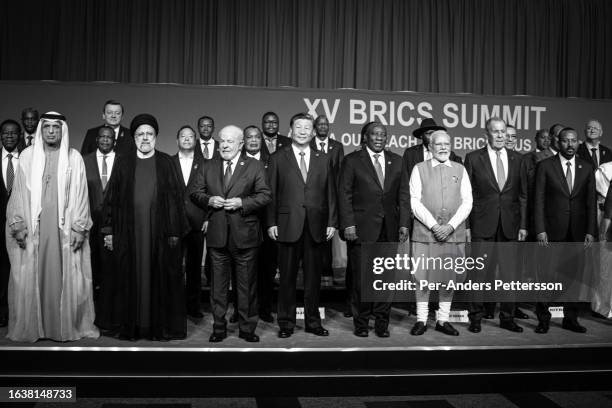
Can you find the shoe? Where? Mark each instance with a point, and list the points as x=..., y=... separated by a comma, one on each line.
x=216, y=337
x=382, y=333
x=573, y=325
x=361, y=332
x=597, y=315
x=317, y=331
x=519, y=314
x=510, y=325
x=234, y=317
x=249, y=337
x=488, y=316
x=266, y=317
x=475, y=326
x=348, y=314
x=285, y=333
x=418, y=329
x=542, y=328
x=3, y=321
x=195, y=314
x=446, y=328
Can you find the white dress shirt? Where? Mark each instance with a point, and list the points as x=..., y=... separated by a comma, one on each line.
x=597, y=151
x=296, y=152
x=14, y=160
x=493, y=160
x=416, y=194
x=186, y=161
x=319, y=141
x=256, y=156
x=234, y=161
x=381, y=159
x=110, y=160
x=573, y=166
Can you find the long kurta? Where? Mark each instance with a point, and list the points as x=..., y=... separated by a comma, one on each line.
x=143, y=208
x=50, y=292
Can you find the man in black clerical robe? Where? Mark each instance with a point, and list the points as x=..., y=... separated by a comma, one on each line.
x=145, y=219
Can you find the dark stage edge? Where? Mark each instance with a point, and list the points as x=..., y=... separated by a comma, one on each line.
x=304, y=365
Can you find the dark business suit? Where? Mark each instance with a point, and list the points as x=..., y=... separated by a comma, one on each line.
x=213, y=146
x=282, y=142
x=5, y=266
x=193, y=242
x=124, y=143
x=374, y=211
x=335, y=154
x=302, y=211
x=528, y=168
x=605, y=154
x=101, y=257
x=565, y=216
x=233, y=237
x=496, y=216
x=267, y=259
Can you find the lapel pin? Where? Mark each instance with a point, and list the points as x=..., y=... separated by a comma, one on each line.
x=195, y=166
x=455, y=179
x=317, y=154
x=331, y=147
x=580, y=166
x=388, y=162
x=242, y=163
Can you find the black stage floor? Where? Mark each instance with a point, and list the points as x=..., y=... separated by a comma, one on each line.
x=495, y=360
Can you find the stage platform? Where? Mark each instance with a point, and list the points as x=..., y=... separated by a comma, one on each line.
x=495, y=360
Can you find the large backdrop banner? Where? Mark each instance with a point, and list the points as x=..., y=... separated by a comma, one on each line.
x=347, y=109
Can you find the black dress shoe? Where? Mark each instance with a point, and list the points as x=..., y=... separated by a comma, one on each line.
x=348, y=314
x=234, y=318
x=573, y=325
x=418, y=329
x=195, y=314
x=266, y=317
x=250, y=337
x=488, y=316
x=510, y=325
x=217, y=337
x=317, y=331
x=542, y=328
x=285, y=333
x=519, y=314
x=475, y=326
x=382, y=333
x=361, y=332
x=447, y=329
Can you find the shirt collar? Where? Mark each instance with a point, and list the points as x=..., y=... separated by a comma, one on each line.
x=254, y=155
x=590, y=145
x=493, y=151
x=182, y=155
x=435, y=162
x=110, y=154
x=371, y=153
x=297, y=150
x=564, y=160
x=5, y=153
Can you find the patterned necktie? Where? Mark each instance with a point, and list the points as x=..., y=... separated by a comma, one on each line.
x=568, y=176
x=322, y=147
x=594, y=157
x=10, y=173
x=303, y=168
x=104, y=172
x=501, y=174
x=205, y=152
x=228, y=175
x=29, y=143
x=270, y=144
x=379, y=170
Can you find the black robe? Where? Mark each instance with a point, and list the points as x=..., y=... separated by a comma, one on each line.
x=167, y=310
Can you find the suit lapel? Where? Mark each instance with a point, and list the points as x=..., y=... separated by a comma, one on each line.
x=194, y=169
x=98, y=174
x=512, y=162
x=581, y=173
x=241, y=164
x=388, y=164
x=421, y=154
x=293, y=161
x=365, y=158
x=561, y=175
x=484, y=157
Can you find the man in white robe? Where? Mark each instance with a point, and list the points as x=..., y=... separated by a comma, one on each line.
x=48, y=219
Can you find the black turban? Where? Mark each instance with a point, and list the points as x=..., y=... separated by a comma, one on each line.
x=144, y=119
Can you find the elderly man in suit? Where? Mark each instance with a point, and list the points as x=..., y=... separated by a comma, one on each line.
x=112, y=113
x=592, y=149
x=234, y=189
x=301, y=218
x=188, y=164
x=273, y=140
x=565, y=211
x=368, y=200
x=99, y=169
x=499, y=214
x=10, y=133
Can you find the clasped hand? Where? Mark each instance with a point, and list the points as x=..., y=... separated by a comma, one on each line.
x=229, y=204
